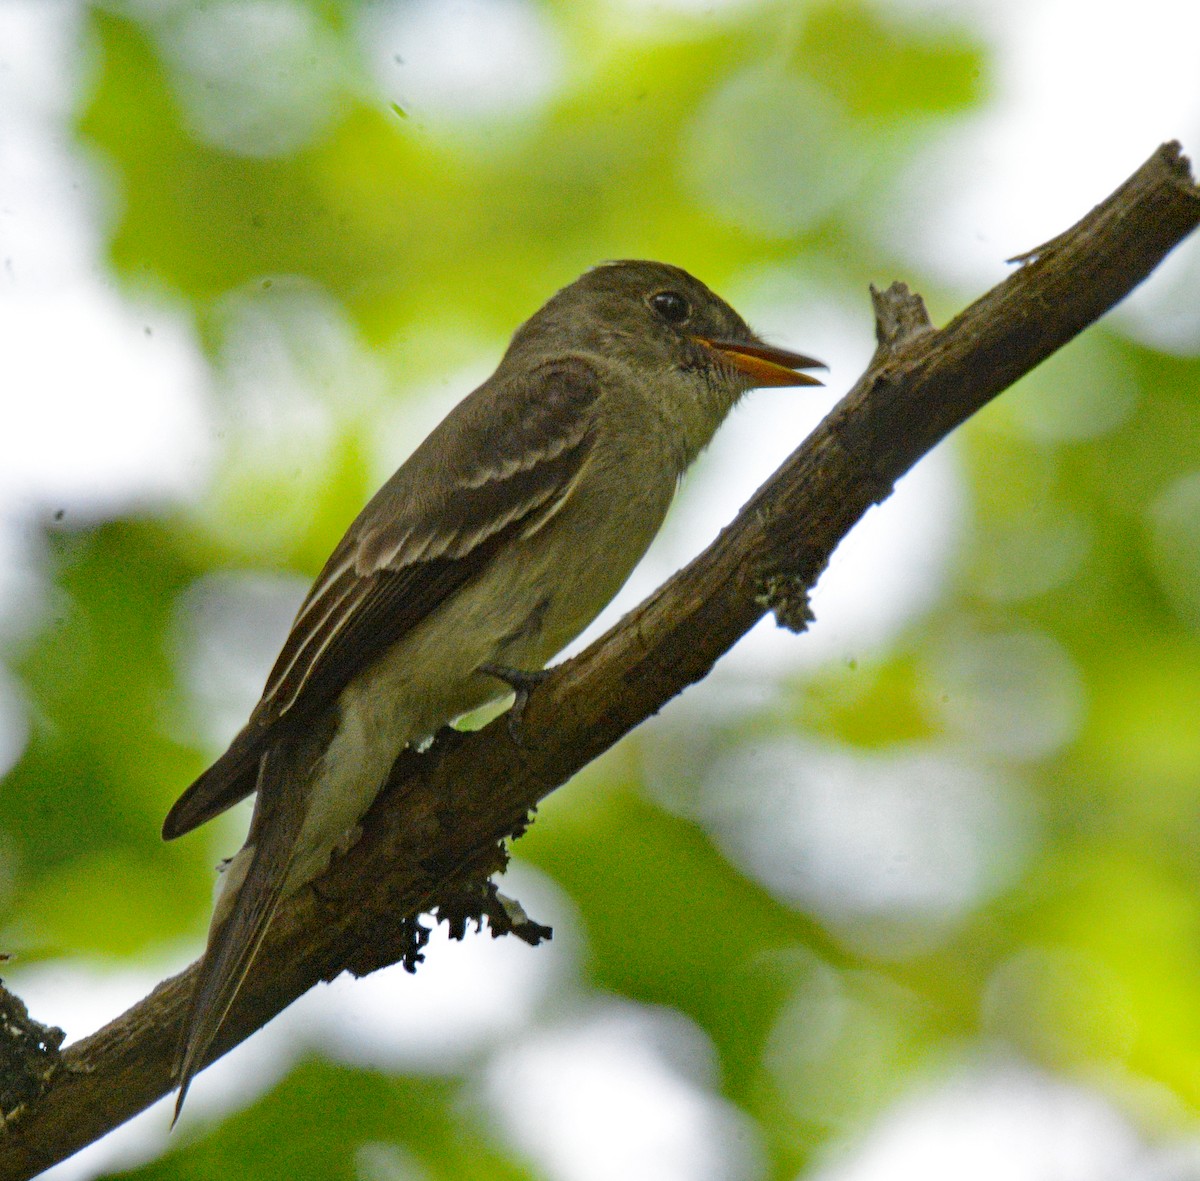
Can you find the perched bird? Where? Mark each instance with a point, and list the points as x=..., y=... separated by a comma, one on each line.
x=495, y=544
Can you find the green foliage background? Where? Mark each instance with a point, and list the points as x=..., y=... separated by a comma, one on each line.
x=770, y=134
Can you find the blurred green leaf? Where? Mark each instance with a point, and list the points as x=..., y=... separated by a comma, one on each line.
x=669, y=921
x=85, y=801
x=327, y=1122
x=888, y=66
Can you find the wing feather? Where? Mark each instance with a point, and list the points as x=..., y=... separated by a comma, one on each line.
x=427, y=532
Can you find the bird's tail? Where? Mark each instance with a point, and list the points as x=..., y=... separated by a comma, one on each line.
x=238, y=927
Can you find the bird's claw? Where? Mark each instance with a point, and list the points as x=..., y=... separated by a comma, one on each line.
x=522, y=682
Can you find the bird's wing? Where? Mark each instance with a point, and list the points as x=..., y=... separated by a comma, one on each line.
x=427, y=532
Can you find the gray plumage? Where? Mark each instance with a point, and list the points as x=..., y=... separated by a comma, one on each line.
x=502, y=536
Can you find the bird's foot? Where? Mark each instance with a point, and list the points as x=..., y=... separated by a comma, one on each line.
x=522, y=682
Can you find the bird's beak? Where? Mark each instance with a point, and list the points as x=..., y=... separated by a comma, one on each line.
x=763, y=363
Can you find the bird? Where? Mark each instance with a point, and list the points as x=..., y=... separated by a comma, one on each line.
x=492, y=546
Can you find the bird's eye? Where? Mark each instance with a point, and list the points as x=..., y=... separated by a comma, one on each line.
x=671, y=306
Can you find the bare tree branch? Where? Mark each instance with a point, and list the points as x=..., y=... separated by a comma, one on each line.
x=435, y=835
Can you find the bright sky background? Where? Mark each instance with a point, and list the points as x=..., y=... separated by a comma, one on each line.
x=107, y=405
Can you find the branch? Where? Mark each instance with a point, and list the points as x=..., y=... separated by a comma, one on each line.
x=436, y=834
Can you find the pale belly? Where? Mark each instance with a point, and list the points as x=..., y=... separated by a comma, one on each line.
x=532, y=601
